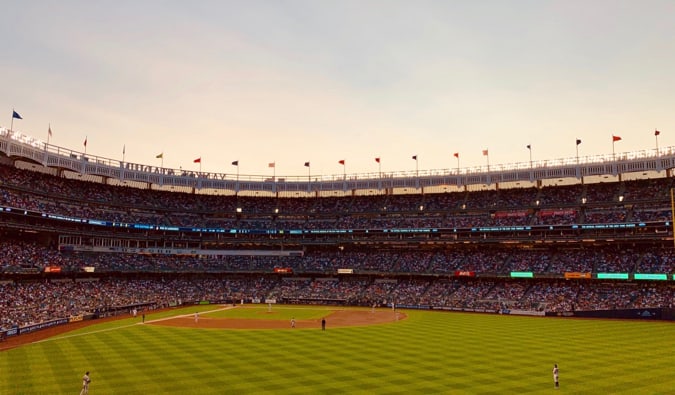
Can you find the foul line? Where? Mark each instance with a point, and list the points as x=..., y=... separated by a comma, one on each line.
x=86, y=333
x=190, y=314
x=126, y=326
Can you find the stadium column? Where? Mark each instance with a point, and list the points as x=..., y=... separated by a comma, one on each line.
x=672, y=212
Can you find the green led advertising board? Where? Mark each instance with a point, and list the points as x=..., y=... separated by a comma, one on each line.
x=650, y=276
x=613, y=276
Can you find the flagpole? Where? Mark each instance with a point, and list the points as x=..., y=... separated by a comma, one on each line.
x=529, y=147
x=11, y=123
x=236, y=188
x=459, y=178
x=379, y=173
x=656, y=136
x=417, y=171
x=49, y=132
x=124, y=152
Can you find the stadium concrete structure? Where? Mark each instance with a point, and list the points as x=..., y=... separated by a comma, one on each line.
x=583, y=236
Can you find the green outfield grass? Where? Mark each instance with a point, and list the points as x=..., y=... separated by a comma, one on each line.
x=428, y=353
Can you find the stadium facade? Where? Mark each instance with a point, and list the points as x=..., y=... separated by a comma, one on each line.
x=579, y=236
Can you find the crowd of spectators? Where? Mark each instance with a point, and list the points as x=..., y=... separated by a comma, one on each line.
x=593, y=203
x=17, y=256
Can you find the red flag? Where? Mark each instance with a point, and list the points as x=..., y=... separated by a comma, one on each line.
x=377, y=160
x=615, y=138
x=271, y=164
x=306, y=164
x=456, y=155
x=414, y=157
x=198, y=160
x=656, y=132
x=341, y=161
x=485, y=152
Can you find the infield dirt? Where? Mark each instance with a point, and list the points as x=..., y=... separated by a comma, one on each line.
x=334, y=318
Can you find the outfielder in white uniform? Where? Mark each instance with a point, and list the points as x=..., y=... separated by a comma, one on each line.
x=85, y=384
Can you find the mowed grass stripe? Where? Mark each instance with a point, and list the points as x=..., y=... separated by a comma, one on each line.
x=431, y=352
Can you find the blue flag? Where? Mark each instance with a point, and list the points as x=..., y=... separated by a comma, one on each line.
x=16, y=115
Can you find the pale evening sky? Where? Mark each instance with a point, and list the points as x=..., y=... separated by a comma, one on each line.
x=321, y=81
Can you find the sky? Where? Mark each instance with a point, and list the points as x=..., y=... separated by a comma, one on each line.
x=291, y=81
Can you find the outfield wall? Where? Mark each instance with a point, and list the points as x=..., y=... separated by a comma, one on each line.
x=633, y=314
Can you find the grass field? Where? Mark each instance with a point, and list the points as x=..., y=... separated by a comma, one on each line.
x=428, y=353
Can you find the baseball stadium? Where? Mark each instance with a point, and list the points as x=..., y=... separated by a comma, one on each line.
x=458, y=281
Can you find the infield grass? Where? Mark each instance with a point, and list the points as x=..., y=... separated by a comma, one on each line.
x=263, y=312
x=428, y=353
